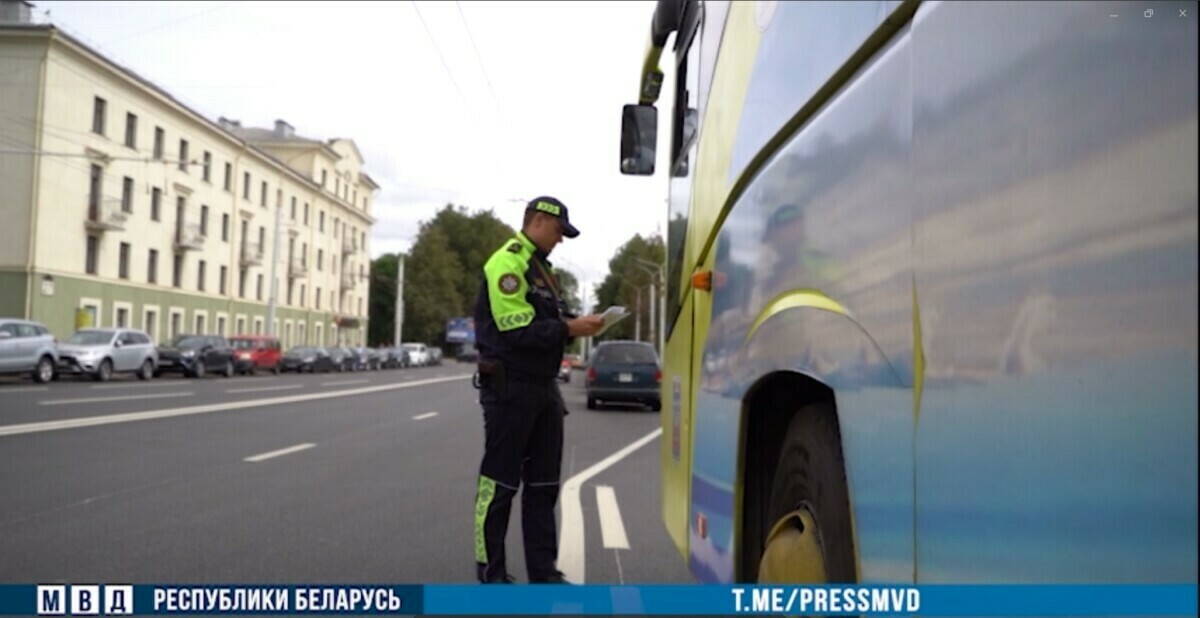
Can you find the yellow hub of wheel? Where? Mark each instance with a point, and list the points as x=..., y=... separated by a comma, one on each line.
x=793, y=552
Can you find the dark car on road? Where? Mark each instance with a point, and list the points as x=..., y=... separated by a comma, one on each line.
x=624, y=372
x=196, y=356
x=307, y=358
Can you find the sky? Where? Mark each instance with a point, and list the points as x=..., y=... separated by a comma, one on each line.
x=483, y=104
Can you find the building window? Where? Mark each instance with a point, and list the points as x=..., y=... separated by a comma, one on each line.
x=99, y=115
x=203, y=220
x=262, y=239
x=97, y=180
x=246, y=186
x=123, y=263
x=289, y=291
x=131, y=130
x=293, y=208
x=225, y=227
x=337, y=187
x=221, y=325
x=259, y=287
x=183, y=155
x=93, y=250
x=360, y=306
x=321, y=219
x=224, y=279
x=305, y=213
x=176, y=319
x=155, y=204
x=122, y=318
x=241, y=326
x=160, y=137
x=362, y=244
x=152, y=267
x=228, y=176
x=177, y=271
x=337, y=227
x=318, y=297
x=303, y=290
x=207, y=166
x=322, y=179
x=127, y=194
x=150, y=324
x=355, y=200
x=262, y=199
x=304, y=255
x=200, y=275
x=200, y=324
x=320, y=259
x=241, y=285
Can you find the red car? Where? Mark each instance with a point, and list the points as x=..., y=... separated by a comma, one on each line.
x=254, y=352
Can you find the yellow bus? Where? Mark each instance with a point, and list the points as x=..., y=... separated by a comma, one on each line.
x=932, y=307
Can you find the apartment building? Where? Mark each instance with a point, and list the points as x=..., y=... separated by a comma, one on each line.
x=123, y=207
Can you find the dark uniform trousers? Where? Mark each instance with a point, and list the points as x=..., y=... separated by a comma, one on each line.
x=523, y=425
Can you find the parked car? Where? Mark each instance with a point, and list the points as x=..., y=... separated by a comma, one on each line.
x=396, y=358
x=435, y=356
x=101, y=352
x=254, y=352
x=417, y=352
x=306, y=358
x=343, y=358
x=576, y=361
x=624, y=372
x=196, y=355
x=27, y=347
x=564, y=371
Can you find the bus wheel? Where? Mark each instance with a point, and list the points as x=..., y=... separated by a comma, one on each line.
x=810, y=540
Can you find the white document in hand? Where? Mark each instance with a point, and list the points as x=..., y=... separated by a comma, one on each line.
x=611, y=316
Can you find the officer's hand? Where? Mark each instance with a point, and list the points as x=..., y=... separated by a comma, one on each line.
x=586, y=326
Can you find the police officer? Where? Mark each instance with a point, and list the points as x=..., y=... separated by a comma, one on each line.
x=522, y=332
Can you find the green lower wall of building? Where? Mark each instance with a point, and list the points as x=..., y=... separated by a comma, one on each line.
x=13, y=289
x=60, y=311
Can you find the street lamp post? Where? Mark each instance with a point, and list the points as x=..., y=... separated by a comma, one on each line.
x=662, y=305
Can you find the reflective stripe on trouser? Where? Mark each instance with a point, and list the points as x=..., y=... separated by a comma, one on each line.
x=524, y=434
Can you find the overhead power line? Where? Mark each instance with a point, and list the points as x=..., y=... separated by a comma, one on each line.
x=479, y=59
x=445, y=66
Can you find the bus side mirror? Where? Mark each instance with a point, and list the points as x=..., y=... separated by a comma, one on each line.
x=639, y=137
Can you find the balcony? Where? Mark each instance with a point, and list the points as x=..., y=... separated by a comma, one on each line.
x=188, y=237
x=348, y=280
x=297, y=268
x=106, y=215
x=252, y=254
x=349, y=245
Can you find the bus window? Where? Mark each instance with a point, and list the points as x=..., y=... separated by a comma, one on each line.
x=685, y=128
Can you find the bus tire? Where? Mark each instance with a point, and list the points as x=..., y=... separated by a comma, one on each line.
x=810, y=489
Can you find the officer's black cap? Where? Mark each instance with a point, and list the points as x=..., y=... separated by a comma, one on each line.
x=554, y=208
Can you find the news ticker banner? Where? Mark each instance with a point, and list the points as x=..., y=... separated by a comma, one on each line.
x=447, y=600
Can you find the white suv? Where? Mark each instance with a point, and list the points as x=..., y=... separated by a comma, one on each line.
x=27, y=347
x=418, y=354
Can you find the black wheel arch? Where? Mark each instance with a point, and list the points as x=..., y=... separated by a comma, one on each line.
x=767, y=411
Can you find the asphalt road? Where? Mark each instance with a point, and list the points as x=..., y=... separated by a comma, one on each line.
x=331, y=478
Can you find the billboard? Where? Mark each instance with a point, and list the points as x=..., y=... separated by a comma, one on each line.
x=460, y=330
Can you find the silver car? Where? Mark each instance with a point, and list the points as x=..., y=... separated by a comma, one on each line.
x=101, y=352
x=27, y=347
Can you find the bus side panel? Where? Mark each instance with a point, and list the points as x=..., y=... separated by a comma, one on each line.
x=1055, y=156
x=827, y=218
x=676, y=442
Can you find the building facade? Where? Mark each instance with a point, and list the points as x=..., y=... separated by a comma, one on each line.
x=123, y=207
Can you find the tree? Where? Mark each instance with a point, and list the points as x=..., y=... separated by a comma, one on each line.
x=382, y=325
x=625, y=278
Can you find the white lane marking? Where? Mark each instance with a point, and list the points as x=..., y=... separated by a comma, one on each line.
x=283, y=451
x=140, y=384
x=612, y=529
x=421, y=417
x=344, y=382
x=12, y=430
x=264, y=388
x=24, y=389
x=571, y=550
x=59, y=402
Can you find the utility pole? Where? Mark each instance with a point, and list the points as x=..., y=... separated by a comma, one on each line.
x=656, y=270
x=399, y=299
x=274, y=266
